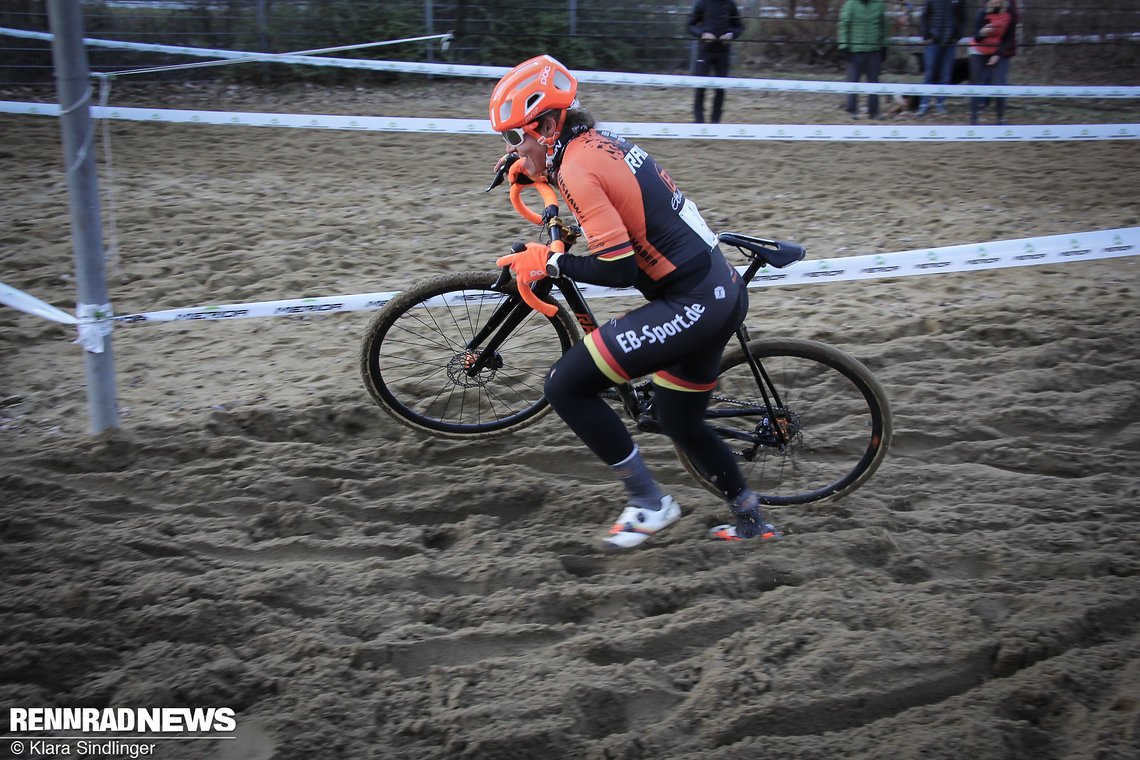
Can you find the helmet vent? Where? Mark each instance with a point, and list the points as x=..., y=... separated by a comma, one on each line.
x=532, y=101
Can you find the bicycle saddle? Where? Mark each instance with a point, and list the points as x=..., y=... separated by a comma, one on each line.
x=776, y=253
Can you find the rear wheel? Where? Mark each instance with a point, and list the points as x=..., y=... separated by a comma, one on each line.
x=418, y=349
x=834, y=417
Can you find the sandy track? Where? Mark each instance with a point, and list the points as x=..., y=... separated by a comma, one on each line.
x=261, y=536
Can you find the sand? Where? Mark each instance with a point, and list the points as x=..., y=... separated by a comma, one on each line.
x=259, y=535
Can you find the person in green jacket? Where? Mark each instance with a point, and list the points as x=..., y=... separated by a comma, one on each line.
x=863, y=34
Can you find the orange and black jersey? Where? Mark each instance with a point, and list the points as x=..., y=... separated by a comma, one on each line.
x=641, y=230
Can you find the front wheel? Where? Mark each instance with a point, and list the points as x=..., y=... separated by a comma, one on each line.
x=452, y=357
x=829, y=433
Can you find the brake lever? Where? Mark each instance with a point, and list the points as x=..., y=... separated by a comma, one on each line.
x=501, y=174
x=502, y=280
x=499, y=177
x=505, y=272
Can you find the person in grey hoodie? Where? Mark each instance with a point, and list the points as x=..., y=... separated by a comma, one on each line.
x=943, y=22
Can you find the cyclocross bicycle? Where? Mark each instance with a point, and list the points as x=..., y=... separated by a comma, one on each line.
x=465, y=355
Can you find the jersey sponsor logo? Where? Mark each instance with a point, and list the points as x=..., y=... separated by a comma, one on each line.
x=631, y=340
x=569, y=199
x=678, y=198
x=635, y=158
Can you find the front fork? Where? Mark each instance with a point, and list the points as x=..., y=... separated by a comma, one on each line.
x=638, y=402
x=503, y=321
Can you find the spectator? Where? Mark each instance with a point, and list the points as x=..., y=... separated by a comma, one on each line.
x=906, y=20
x=1007, y=49
x=715, y=24
x=990, y=28
x=863, y=35
x=943, y=22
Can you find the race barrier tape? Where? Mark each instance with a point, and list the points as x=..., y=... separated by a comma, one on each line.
x=793, y=132
x=621, y=78
x=1040, y=39
x=29, y=304
x=1035, y=251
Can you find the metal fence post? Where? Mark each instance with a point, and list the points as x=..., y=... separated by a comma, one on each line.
x=73, y=82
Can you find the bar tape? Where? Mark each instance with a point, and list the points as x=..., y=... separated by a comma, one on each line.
x=791, y=132
x=612, y=77
x=1036, y=251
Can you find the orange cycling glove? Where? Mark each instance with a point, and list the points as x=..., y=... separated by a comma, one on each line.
x=529, y=264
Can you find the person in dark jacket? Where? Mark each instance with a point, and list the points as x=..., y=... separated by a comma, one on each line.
x=715, y=24
x=1007, y=49
x=943, y=23
x=990, y=27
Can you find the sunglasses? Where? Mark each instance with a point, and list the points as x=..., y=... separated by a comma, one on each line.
x=514, y=137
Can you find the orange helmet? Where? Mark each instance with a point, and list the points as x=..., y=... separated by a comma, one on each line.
x=529, y=90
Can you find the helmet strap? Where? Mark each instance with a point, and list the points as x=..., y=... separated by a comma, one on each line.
x=551, y=141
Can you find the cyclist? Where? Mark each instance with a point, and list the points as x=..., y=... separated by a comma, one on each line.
x=643, y=232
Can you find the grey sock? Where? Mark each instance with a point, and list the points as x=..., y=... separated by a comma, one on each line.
x=639, y=484
x=750, y=519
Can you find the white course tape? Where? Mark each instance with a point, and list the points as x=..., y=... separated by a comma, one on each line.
x=289, y=307
x=610, y=77
x=94, y=322
x=29, y=304
x=804, y=132
x=1041, y=39
x=1055, y=249
x=94, y=326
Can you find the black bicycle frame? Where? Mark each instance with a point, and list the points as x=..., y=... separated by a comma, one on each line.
x=511, y=313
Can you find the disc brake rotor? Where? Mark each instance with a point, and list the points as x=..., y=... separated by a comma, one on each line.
x=462, y=362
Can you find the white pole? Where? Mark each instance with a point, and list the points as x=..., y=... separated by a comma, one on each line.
x=74, y=86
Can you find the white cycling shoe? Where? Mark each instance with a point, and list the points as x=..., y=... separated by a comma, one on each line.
x=635, y=525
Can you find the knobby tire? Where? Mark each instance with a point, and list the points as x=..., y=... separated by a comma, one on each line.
x=413, y=357
x=836, y=409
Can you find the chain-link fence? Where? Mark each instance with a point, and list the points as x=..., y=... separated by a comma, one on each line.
x=623, y=35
